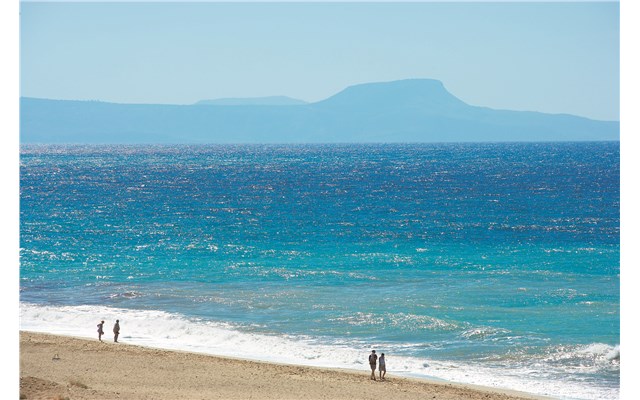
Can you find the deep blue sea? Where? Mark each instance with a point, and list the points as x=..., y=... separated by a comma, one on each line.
x=494, y=264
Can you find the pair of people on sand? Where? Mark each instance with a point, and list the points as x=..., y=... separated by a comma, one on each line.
x=116, y=330
x=382, y=365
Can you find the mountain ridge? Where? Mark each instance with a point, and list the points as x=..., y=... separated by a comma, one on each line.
x=252, y=101
x=410, y=110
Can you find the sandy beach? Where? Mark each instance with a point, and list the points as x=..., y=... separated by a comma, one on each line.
x=61, y=367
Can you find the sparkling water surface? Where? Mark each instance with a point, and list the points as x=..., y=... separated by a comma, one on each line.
x=495, y=264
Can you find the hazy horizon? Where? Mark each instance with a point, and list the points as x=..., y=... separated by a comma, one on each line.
x=241, y=101
x=560, y=58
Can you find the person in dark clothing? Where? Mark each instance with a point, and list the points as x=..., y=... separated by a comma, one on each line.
x=373, y=359
x=116, y=331
x=100, y=330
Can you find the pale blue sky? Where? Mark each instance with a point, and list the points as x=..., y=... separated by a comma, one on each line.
x=548, y=57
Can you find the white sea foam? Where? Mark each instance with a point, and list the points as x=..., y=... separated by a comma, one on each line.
x=165, y=330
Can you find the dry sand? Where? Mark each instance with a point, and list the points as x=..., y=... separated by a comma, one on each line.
x=61, y=367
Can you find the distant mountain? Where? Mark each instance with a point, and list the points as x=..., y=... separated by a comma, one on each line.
x=253, y=101
x=414, y=110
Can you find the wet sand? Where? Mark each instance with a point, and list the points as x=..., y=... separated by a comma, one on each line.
x=61, y=367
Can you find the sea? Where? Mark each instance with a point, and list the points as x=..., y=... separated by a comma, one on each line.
x=496, y=264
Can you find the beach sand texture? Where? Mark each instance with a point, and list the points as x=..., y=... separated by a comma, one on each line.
x=60, y=367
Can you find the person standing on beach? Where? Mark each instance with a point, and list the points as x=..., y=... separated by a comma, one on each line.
x=100, y=331
x=382, y=367
x=373, y=358
x=116, y=331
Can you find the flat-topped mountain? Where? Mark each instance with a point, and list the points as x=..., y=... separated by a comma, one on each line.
x=413, y=110
x=424, y=94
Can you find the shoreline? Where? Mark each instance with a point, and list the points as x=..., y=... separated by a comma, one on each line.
x=80, y=368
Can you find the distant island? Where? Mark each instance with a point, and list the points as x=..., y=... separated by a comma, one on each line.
x=412, y=110
x=253, y=101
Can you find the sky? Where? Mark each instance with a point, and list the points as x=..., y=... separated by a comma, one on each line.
x=549, y=57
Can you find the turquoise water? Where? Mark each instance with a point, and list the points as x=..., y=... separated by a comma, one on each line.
x=495, y=264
